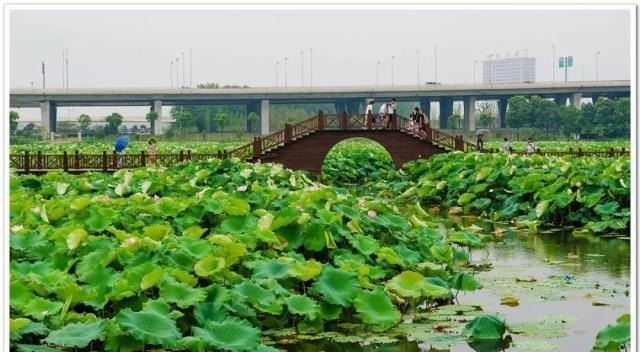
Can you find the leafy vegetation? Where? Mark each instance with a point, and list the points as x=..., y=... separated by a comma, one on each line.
x=207, y=255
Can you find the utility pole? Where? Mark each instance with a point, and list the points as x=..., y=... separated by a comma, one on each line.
x=43, y=75
x=66, y=59
x=190, y=62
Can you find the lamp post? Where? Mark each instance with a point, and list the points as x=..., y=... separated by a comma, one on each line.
x=183, y=70
x=43, y=86
x=190, y=65
x=490, y=69
x=171, y=76
x=377, y=74
x=311, y=67
x=598, y=53
x=285, y=72
x=582, y=73
x=418, y=64
x=392, y=58
x=301, y=69
x=66, y=61
x=435, y=64
x=277, y=63
x=177, y=71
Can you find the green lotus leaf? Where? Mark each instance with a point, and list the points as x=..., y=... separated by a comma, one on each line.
x=17, y=324
x=99, y=219
x=464, y=282
x=180, y=293
x=234, y=206
x=337, y=286
x=314, y=236
x=592, y=199
x=194, y=231
x=483, y=173
x=157, y=232
x=465, y=199
x=303, y=305
x=541, y=208
x=77, y=334
x=168, y=206
x=264, y=300
x=39, y=308
x=273, y=268
x=209, y=266
x=151, y=279
x=465, y=238
x=149, y=327
x=237, y=224
x=364, y=244
x=481, y=203
x=485, y=327
x=614, y=336
x=389, y=255
x=562, y=200
x=232, y=334
x=265, y=221
x=35, y=348
x=284, y=217
x=442, y=253
x=79, y=203
x=392, y=221
x=606, y=209
x=407, y=284
x=375, y=308
x=305, y=271
x=75, y=238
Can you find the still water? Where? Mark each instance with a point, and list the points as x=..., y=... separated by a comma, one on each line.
x=567, y=289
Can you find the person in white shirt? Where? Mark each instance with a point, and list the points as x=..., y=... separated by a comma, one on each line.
x=391, y=112
x=369, y=119
x=507, y=146
x=531, y=148
x=384, y=111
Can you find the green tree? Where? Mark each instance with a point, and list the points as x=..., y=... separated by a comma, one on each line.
x=183, y=118
x=252, y=121
x=113, y=122
x=13, y=121
x=543, y=113
x=454, y=121
x=221, y=120
x=485, y=114
x=152, y=116
x=518, y=112
x=84, y=120
x=570, y=120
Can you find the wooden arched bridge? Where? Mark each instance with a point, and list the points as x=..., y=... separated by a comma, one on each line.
x=300, y=146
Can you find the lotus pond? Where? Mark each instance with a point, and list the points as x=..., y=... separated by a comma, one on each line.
x=227, y=255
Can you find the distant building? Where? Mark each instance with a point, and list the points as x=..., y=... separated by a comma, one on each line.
x=509, y=70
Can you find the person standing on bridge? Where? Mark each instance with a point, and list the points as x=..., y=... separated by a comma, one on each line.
x=391, y=112
x=382, y=114
x=369, y=119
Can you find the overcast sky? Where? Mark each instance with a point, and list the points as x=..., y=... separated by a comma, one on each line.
x=134, y=48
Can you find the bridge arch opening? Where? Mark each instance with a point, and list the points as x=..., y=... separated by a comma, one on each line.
x=356, y=161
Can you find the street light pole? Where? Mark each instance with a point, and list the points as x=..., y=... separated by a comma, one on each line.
x=301, y=69
x=285, y=72
x=43, y=85
x=177, y=71
x=311, y=67
x=63, y=69
x=598, y=53
x=171, y=75
x=66, y=61
x=392, y=58
x=183, y=72
x=277, y=63
x=490, y=69
x=418, y=64
x=435, y=64
x=377, y=74
x=190, y=62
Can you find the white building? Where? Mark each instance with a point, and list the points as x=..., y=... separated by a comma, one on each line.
x=509, y=70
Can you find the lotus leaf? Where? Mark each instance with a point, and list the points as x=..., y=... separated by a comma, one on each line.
x=485, y=327
x=464, y=282
x=614, y=336
x=232, y=334
x=365, y=244
x=77, y=335
x=305, y=271
x=375, y=308
x=337, y=286
x=386, y=254
x=180, y=293
x=149, y=327
x=303, y=305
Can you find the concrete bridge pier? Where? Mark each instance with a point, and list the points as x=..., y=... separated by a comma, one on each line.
x=49, y=116
x=349, y=105
x=157, y=107
x=425, y=106
x=470, y=114
x=575, y=99
x=446, y=109
x=502, y=111
x=260, y=108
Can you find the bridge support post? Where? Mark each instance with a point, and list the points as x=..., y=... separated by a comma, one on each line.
x=288, y=133
x=575, y=100
x=264, y=117
x=257, y=147
x=502, y=111
x=48, y=113
x=157, y=107
x=446, y=109
x=342, y=120
x=470, y=114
